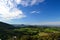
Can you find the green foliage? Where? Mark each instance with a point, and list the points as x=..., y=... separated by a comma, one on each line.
x=31, y=33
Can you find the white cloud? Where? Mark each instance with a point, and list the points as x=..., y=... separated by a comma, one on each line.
x=28, y=2
x=8, y=10
x=33, y=2
x=34, y=12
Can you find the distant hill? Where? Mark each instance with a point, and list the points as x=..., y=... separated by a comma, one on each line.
x=5, y=26
x=19, y=25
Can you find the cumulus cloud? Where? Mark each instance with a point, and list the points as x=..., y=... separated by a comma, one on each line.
x=8, y=10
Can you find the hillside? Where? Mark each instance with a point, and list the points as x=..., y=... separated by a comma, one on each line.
x=5, y=26
x=28, y=32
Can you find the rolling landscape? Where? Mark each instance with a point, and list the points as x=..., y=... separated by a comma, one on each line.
x=28, y=32
x=29, y=19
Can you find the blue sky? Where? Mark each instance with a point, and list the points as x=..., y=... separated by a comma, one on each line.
x=39, y=12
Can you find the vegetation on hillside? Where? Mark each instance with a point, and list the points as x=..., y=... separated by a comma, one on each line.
x=30, y=33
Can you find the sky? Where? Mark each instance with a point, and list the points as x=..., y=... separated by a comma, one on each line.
x=34, y=12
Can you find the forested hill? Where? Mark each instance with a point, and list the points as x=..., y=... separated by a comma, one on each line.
x=5, y=26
